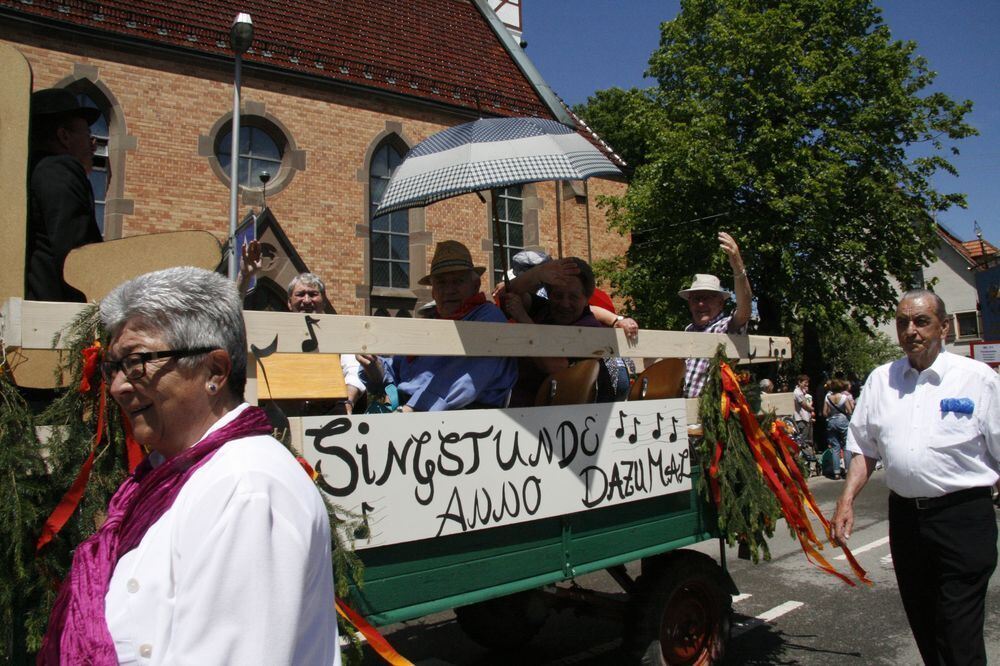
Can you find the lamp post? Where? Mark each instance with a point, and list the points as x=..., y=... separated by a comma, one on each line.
x=240, y=37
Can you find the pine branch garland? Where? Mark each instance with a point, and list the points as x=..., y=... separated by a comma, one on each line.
x=747, y=509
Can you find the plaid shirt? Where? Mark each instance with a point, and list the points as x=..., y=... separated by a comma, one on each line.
x=697, y=368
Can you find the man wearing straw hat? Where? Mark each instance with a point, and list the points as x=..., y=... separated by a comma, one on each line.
x=435, y=383
x=706, y=299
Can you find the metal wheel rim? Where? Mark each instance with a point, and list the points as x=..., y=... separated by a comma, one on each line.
x=688, y=625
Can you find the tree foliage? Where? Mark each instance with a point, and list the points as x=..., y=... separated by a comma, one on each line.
x=790, y=122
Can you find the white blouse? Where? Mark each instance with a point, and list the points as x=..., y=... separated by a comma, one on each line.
x=237, y=571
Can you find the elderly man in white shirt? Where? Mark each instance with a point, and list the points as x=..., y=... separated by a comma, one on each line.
x=934, y=420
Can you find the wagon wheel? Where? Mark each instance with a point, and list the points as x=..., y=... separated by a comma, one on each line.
x=505, y=623
x=684, y=617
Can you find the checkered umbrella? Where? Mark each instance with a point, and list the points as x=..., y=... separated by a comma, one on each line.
x=491, y=153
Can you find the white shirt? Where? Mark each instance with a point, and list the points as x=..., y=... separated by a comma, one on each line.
x=927, y=452
x=801, y=399
x=351, y=368
x=237, y=571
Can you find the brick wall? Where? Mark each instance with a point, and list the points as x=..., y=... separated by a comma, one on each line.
x=167, y=183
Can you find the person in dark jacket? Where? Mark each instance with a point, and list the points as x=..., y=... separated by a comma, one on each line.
x=60, y=198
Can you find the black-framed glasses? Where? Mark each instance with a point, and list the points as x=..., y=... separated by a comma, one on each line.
x=134, y=365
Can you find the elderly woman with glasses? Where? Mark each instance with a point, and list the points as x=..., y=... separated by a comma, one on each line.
x=217, y=549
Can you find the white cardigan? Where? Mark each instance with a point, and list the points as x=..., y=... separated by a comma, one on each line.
x=237, y=571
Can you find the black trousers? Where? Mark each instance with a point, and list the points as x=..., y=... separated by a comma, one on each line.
x=943, y=556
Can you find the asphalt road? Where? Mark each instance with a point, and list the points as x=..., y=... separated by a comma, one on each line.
x=788, y=611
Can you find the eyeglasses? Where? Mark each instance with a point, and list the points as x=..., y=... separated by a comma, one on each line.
x=134, y=365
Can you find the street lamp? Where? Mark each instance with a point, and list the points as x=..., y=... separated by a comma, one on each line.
x=240, y=37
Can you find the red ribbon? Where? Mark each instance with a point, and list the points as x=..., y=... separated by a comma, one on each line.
x=67, y=505
x=91, y=357
x=374, y=638
x=776, y=461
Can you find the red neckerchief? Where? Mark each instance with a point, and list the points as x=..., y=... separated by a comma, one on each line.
x=468, y=305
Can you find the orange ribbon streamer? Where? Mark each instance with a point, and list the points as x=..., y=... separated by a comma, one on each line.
x=67, y=505
x=371, y=634
x=775, y=459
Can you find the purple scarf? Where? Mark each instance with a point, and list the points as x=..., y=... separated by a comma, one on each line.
x=78, y=629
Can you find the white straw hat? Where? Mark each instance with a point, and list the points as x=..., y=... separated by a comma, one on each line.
x=703, y=282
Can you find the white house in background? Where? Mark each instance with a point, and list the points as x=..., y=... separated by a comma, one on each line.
x=952, y=275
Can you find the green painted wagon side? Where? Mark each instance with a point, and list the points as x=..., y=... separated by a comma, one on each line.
x=409, y=580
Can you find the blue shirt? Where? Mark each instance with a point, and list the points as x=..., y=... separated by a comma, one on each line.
x=436, y=383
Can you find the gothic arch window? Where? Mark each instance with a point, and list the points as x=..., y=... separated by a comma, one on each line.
x=111, y=143
x=389, y=234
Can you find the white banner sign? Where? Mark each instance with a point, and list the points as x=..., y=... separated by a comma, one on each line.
x=427, y=475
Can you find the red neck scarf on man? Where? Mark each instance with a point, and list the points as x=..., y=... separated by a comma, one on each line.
x=467, y=306
x=78, y=628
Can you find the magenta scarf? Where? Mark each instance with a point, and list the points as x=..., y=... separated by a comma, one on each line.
x=78, y=629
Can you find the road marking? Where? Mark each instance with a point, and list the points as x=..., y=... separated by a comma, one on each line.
x=765, y=617
x=741, y=597
x=868, y=546
x=778, y=611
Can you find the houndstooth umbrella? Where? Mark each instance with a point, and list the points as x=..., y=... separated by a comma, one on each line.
x=490, y=153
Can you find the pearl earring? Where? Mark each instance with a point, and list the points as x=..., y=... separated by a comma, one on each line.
x=212, y=388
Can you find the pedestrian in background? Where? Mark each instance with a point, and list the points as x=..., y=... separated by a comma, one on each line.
x=838, y=405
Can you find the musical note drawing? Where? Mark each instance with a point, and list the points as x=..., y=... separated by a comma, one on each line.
x=673, y=424
x=656, y=430
x=363, y=531
x=312, y=344
x=752, y=354
x=620, y=432
x=635, y=431
x=266, y=351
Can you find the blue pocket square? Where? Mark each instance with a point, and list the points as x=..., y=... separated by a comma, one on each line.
x=957, y=405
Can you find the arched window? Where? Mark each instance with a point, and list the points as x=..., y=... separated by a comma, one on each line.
x=390, y=234
x=101, y=172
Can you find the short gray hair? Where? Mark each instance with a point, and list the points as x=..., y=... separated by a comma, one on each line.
x=939, y=308
x=309, y=280
x=190, y=307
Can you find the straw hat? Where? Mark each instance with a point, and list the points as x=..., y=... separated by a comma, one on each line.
x=703, y=282
x=450, y=256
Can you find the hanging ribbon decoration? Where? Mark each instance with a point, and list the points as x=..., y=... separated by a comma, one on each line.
x=71, y=500
x=134, y=453
x=775, y=460
x=371, y=634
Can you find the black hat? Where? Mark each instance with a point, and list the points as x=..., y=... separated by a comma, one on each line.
x=61, y=102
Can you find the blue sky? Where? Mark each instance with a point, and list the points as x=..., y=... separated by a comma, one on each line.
x=581, y=46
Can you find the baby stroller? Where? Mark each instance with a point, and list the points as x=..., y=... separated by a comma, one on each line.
x=806, y=449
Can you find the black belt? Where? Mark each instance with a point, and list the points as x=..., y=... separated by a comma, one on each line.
x=951, y=499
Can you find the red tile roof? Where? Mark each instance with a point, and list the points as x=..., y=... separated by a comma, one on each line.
x=971, y=251
x=437, y=50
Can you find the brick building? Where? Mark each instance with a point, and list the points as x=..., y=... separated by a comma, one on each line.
x=333, y=95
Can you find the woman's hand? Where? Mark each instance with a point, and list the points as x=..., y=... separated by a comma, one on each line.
x=631, y=328
x=558, y=272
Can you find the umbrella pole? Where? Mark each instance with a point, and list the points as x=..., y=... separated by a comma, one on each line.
x=495, y=194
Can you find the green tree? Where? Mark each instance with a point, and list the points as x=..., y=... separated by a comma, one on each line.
x=621, y=117
x=789, y=121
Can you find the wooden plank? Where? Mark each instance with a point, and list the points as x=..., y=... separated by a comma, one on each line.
x=300, y=377
x=15, y=105
x=781, y=403
x=384, y=335
x=34, y=324
x=98, y=268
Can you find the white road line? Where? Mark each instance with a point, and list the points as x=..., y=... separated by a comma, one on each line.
x=778, y=611
x=741, y=597
x=766, y=616
x=868, y=546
